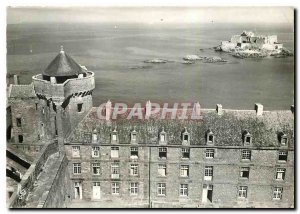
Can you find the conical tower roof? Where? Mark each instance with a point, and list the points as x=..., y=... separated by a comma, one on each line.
x=63, y=65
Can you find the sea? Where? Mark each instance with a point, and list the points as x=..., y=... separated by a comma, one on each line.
x=116, y=53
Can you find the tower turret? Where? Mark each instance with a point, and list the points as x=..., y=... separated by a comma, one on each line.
x=64, y=91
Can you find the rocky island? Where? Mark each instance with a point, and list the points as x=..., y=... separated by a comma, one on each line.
x=249, y=45
x=190, y=59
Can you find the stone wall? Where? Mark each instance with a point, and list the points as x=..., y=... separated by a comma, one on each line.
x=31, y=176
x=226, y=176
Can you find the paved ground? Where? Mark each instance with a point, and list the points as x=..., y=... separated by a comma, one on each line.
x=99, y=204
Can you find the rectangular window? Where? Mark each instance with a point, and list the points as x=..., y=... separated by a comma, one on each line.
x=114, y=137
x=243, y=192
x=162, y=152
x=282, y=156
x=96, y=151
x=185, y=153
x=283, y=141
x=96, y=168
x=162, y=138
x=246, y=155
x=162, y=170
x=79, y=107
x=75, y=151
x=208, y=173
x=134, y=188
x=114, y=152
x=210, y=153
x=134, y=169
x=161, y=189
x=184, y=170
x=19, y=122
x=76, y=168
x=186, y=137
x=134, y=152
x=133, y=137
x=210, y=139
x=184, y=191
x=115, y=188
x=20, y=138
x=280, y=173
x=277, y=193
x=245, y=172
x=115, y=169
x=248, y=140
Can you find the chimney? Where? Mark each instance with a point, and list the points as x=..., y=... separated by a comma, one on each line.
x=292, y=109
x=148, y=109
x=108, y=108
x=219, y=109
x=197, y=108
x=16, y=79
x=53, y=80
x=259, y=109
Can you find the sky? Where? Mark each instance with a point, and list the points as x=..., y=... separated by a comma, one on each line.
x=150, y=15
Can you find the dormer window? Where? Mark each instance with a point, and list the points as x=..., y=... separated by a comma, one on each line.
x=114, y=135
x=283, y=139
x=133, y=136
x=247, y=138
x=162, y=136
x=210, y=138
x=95, y=136
x=185, y=136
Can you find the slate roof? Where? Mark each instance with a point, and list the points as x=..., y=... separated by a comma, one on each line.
x=227, y=128
x=63, y=65
x=21, y=91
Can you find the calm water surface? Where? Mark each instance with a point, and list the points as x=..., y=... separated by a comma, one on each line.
x=115, y=52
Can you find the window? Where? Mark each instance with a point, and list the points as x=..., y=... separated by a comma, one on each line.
x=186, y=137
x=96, y=168
x=114, y=137
x=246, y=155
x=133, y=136
x=76, y=168
x=277, y=193
x=75, y=151
x=134, y=169
x=245, y=172
x=280, y=173
x=247, y=137
x=210, y=153
x=19, y=122
x=43, y=110
x=282, y=156
x=162, y=152
x=115, y=169
x=209, y=137
x=162, y=137
x=162, y=170
x=184, y=171
x=115, y=188
x=283, y=140
x=185, y=153
x=134, y=187
x=79, y=107
x=161, y=189
x=243, y=192
x=184, y=190
x=95, y=151
x=134, y=152
x=114, y=153
x=20, y=138
x=208, y=173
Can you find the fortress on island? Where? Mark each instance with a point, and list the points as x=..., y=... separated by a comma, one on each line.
x=61, y=154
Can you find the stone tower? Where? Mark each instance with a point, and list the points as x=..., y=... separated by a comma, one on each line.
x=64, y=92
